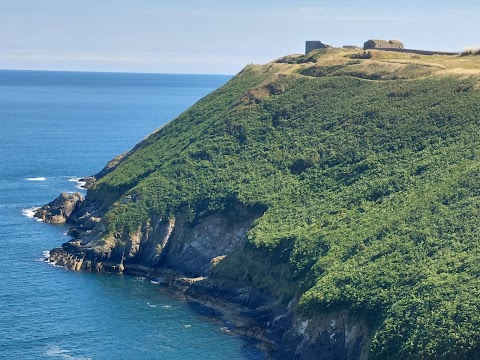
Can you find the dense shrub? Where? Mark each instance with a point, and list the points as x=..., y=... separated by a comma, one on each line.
x=372, y=186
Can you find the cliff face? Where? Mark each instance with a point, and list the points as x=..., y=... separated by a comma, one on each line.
x=185, y=254
x=330, y=200
x=59, y=210
x=175, y=243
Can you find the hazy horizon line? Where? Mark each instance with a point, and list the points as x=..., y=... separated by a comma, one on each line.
x=118, y=72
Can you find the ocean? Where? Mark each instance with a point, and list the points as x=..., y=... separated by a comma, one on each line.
x=56, y=127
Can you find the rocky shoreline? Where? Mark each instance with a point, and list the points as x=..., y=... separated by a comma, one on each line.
x=247, y=310
x=58, y=210
x=248, y=313
x=182, y=257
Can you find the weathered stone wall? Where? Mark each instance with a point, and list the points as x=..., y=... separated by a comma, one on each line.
x=383, y=44
x=420, y=52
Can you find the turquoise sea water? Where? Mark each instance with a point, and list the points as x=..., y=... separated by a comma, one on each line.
x=54, y=128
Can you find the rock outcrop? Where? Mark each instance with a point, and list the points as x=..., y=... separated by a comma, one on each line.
x=59, y=210
x=177, y=244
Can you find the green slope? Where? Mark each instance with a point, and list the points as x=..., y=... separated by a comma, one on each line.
x=369, y=173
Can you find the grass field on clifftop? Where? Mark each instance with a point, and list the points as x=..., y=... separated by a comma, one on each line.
x=370, y=174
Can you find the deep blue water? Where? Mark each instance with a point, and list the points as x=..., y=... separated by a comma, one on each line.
x=54, y=128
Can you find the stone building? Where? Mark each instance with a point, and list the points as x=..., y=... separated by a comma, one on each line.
x=383, y=44
x=314, y=45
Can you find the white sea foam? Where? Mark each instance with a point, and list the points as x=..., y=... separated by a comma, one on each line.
x=167, y=306
x=56, y=351
x=80, y=184
x=225, y=330
x=151, y=305
x=45, y=256
x=30, y=212
x=36, y=179
x=159, y=281
x=54, y=265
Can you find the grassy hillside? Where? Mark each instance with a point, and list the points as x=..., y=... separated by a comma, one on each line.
x=369, y=173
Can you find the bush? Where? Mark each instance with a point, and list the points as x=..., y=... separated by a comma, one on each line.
x=362, y=55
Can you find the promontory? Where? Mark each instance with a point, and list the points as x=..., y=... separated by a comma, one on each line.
x=334, y=197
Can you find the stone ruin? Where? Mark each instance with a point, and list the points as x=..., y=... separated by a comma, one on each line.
x=315, y=45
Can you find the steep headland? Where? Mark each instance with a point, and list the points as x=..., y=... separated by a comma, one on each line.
x=335, y=200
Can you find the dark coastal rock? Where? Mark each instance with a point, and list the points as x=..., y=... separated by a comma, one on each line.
x=74, y=255
x=58, y=211
x=277, y=328
x=194, y=249
x=89, y=182
x=67, y=256
x=190, y=249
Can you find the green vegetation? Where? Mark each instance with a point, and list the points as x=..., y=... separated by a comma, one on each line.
x=360, y=55
x=369, y=171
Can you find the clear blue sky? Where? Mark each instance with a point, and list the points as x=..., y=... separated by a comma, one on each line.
x=213, y=36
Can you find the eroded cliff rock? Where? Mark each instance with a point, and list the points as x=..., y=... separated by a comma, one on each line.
x=175, y=243
x=59, y=210
x=181, y=253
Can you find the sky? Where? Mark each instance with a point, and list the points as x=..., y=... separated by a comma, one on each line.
x=215, y=36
